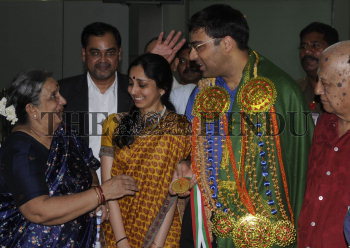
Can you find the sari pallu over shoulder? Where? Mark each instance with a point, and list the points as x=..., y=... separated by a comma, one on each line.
x=68, y=172
x=151, y=160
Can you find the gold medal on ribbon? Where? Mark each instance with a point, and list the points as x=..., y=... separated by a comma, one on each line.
x=222, y=225
x=253, y=231
x=211, y=102
x=285, y=233
x=257, y=95
x=181, y=185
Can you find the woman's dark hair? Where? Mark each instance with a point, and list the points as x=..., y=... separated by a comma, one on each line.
x=220, y=20
x=25, y=89
x=158, y=69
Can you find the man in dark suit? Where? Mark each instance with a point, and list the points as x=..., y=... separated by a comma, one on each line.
x=101, y=90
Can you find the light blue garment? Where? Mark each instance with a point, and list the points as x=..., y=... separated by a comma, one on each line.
x=213, y=133
x=347, y=227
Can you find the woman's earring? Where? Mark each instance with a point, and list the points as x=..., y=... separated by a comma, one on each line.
x=34, y=116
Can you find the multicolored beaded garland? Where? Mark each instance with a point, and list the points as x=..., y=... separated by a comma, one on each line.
x=250, y=217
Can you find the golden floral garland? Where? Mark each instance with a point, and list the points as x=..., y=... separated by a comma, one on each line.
x=256, y=95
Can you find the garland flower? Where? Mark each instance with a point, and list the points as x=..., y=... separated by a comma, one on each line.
x=9, y=112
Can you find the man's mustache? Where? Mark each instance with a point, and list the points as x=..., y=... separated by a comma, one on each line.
x=193, y=67
x=308, y=57
x=191, y=70
x=103, y=65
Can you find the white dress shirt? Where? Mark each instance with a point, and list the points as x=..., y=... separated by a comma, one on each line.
x=176, y=84
x=100, y=106
x=179, y=97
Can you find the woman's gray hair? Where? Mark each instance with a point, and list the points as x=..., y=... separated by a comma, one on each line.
x=25, y=89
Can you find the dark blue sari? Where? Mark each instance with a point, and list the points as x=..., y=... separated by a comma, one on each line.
x=68, y=172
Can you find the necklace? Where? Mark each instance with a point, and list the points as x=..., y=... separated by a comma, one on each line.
x=147, y=122
x=152, y=118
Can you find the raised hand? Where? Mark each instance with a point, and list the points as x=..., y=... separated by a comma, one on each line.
x=168, y=47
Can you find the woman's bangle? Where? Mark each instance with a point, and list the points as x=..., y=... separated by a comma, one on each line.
x=98, y=196
x=103, y=199
x=121, y=239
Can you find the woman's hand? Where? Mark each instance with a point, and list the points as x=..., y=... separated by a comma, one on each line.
x=183, y=170
x=119, y=186
x=102, y=211
x=57, y=210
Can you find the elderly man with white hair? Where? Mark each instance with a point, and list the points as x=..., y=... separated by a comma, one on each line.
x=327, y=196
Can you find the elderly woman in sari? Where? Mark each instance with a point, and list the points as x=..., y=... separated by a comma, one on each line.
x=45, y=172
x=146, y=143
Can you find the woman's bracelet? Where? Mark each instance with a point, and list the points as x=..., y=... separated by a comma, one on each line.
x=103, y=199
x=121, y=239
x=97, y=195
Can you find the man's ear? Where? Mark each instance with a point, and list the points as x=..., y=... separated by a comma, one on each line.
x=228, y=43
x=174, y=64
x=83, y=54
x=120, y=54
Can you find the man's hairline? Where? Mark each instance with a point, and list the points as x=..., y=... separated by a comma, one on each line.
x=323, y=37
x=88, y=39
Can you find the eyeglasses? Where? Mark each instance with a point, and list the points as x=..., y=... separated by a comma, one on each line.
x=196, y=45
x=98, y=54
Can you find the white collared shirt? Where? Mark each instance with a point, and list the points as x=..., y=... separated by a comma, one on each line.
x=179, y=97
x=176, y=84
x=100, y=106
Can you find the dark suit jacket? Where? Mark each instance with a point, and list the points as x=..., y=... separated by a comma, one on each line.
x=75, y=91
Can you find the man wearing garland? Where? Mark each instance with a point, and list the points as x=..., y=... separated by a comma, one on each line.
x=251, y=136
